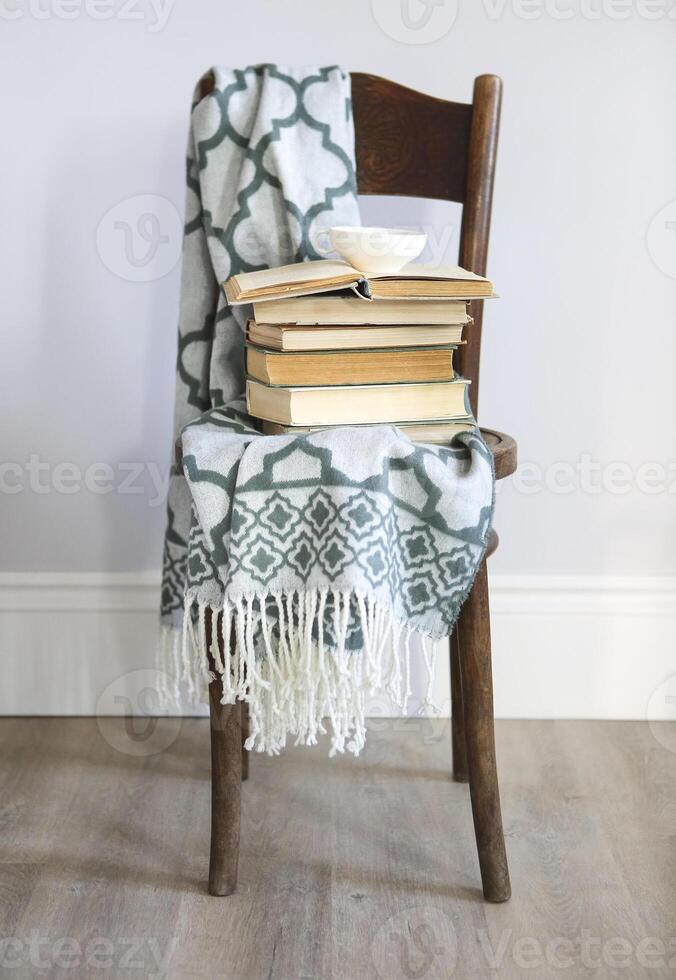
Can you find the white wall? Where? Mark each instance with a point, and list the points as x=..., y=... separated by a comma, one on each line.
x=578, y=352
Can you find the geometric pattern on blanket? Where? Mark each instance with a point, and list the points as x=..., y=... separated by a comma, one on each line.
x=322, y=554
x=303, y=514
x=249, y=206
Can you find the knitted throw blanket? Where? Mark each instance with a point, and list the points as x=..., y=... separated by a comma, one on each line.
x=297, y=567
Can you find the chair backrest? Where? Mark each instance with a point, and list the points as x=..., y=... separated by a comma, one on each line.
x=415, y=145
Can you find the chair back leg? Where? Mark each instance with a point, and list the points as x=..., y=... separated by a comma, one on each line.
x=457, y=713
x=474, y=640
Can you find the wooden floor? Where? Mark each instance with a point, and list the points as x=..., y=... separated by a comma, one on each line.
x=349, y=869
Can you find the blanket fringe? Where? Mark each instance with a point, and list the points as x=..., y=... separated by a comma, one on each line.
x=271, y=652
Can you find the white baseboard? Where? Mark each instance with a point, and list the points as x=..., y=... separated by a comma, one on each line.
x=563, y=646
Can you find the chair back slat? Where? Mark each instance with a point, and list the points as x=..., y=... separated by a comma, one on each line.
x=412, y=144
x=408, y=143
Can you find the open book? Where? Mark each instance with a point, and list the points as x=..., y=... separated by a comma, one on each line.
x=415, y=281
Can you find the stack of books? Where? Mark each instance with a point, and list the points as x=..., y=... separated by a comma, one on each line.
x=328, y=346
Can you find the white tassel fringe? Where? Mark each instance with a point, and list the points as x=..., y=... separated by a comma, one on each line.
x=296, y=680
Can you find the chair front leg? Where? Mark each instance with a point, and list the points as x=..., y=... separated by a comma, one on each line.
x=226, y=786
x=474, y=640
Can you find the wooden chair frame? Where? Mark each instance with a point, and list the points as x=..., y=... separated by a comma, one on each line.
x=412, y=144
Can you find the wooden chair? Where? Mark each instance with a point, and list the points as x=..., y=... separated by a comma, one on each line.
x=415, y=145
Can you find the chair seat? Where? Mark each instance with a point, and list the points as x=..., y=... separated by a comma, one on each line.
x=503, y=448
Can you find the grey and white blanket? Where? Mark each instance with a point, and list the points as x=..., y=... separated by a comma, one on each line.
x=302, y=565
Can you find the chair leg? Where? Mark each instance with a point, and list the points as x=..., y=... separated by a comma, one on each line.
x=245, y=735
x=474, y=639
x=457, y=714
x=226, y=787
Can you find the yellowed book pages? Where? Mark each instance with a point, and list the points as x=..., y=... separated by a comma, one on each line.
x=348, y=310
x=358, y=403
x=291, y=280
x=294, y=338
x=437, y=433
x=430, y=288
x=353, y=367
x=305, y=278
x=424, y=279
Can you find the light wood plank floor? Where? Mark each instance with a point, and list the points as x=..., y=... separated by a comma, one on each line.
x=348, y=869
